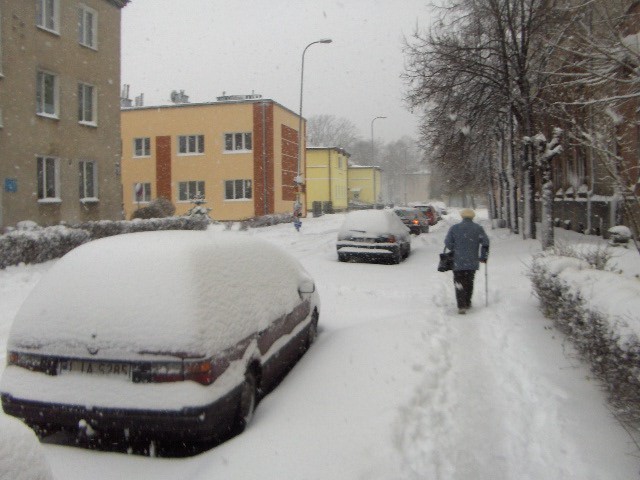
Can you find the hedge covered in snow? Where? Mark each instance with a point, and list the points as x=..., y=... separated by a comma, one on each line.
x=599, y=311
x=32, y=244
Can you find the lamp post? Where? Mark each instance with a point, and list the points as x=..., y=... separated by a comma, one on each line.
x=375, y=200
x=298, y=180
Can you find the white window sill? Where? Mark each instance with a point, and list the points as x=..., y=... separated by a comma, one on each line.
x=46, y=201
x=89, y=200
x=235, y=200
x=48, y=30
x=89, y=124
x=90, y=47
x=141, y=156
x=191, y=154
x=231, y=152
x=48, y=115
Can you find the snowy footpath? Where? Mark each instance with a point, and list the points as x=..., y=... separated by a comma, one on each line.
x=398, y=385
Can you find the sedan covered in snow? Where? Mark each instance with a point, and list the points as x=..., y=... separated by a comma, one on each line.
x=158, y=334
x=373, y=235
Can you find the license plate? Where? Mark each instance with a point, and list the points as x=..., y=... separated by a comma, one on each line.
x=95, y=368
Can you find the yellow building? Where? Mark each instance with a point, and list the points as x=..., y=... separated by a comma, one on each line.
x=326, y=179
x=365, y=183
x=241, y=155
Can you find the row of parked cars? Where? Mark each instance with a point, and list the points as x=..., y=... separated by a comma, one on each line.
x=384, y=235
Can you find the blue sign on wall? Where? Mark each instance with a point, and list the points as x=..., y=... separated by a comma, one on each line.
x=11, y=185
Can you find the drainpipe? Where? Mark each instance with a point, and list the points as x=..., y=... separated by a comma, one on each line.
x=330, y=198
x=265, y=203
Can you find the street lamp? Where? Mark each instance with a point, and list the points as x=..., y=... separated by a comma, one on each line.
x=375, y=200
x=298, y=179
x=372, y=151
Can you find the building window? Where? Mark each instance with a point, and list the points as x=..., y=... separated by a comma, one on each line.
x=190, y=144
x=47, y=14
x=237, y=142
x=237, y=190
x=142, y=147
x=142, y=192
x=47, y=94
x=188, y=190
x=87, y=27
x=86, y=104
x=88, y=181
x=48, y=179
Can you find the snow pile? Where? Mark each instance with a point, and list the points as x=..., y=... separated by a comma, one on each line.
x=21, y=456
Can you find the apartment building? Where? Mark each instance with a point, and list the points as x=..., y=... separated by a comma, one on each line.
x=239, y=153
x=326, y=178
x=59, y=110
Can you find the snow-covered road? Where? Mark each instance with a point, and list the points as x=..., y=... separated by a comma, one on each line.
x=399, y=386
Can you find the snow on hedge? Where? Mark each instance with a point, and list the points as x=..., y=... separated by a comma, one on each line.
x=614, y=296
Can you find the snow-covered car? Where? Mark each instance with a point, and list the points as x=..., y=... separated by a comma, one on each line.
x=158, y=334
x=414, y=219
x=373, y=235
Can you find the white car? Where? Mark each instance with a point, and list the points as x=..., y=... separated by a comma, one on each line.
x=158, y=334
x=373, y=235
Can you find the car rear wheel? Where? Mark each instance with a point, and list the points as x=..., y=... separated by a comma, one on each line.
x=248, y=400
x=396, y=257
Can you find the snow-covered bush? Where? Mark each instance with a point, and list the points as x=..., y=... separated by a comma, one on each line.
x=267, y=220
x=39, y=245
x=158, y=208
x=598, y=311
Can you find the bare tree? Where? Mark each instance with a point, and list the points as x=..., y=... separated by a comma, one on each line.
x=484, y=65
x=329, y=131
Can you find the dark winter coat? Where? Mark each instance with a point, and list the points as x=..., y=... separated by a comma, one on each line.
x=465, y=240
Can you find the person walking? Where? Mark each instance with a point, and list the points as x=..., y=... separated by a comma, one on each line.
x=470, y=246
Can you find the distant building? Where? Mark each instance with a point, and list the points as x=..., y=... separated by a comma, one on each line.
x=239, y=154
x=59, y=111
x=326, y=178
x=365, y=183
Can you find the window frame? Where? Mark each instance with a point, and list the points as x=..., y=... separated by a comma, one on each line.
x=199, y=186
x=146, y=192
x=84, y=197
x=41, y=94
x=198, y=144
x=82, y=96
x=43, y=15
x=43, y=183
x=146, y=147
x=83, y=12
x=232, y=137
x=247, y=185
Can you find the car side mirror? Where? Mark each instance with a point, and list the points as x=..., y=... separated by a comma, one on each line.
x=306, y=288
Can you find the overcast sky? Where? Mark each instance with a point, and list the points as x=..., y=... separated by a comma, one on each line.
x=207, y=47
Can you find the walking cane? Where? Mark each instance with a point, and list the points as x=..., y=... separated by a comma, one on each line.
x=486, y=285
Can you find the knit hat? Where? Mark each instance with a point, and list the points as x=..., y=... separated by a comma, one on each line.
x=467, y=213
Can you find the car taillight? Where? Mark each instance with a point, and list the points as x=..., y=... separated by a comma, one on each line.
x=391, y=239
x=203, y=372
x=35, y=363
x=415, y=221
